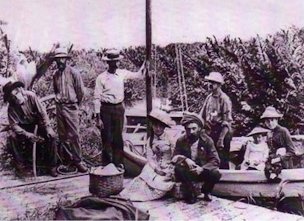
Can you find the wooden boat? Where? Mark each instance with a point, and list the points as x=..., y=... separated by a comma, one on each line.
x=234, y=183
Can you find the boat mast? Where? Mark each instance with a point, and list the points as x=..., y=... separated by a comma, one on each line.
x=148, y=60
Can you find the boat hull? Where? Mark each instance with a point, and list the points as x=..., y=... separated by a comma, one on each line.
x=238, y=183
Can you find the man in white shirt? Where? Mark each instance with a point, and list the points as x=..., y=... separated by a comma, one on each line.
x=109, y=106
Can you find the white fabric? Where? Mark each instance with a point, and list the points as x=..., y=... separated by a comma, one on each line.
x=109, y=88
x=256, y=155
x=194, y=150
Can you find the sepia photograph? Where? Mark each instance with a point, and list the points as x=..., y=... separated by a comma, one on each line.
x=152, y=110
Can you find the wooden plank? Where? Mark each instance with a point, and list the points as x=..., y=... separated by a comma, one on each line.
x=258, y=189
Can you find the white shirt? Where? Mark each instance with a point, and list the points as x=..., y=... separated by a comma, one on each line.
x=194, y=150
x=109, y=88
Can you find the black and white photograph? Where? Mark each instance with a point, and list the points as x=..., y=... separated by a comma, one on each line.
x=152, y=110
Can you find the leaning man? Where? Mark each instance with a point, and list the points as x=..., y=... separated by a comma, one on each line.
x=25, y=111
x=109, y=105
x=69, y=93
x=195, y=159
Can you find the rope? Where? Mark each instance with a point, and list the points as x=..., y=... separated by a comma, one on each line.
x=183, y=78
x=179, y=77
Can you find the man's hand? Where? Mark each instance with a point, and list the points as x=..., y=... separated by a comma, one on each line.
x=99, y=123
x=50, y=133
x=191, y=164
x=220, y=144
x=198, y=170
x=34, y=138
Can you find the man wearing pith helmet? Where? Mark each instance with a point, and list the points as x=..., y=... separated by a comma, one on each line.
x=280, y=135
x=69, y=93
x=109, y=105
x=217, y=113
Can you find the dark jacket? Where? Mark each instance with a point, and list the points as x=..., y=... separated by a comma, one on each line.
x=207, y=156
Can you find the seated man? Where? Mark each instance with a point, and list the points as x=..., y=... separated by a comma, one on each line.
x=280, y=138
x=195, y=158
x=24, y=112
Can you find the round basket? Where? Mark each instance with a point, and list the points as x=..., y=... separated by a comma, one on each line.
x=106, y=185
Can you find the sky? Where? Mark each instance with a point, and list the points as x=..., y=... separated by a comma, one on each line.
x=121, y=23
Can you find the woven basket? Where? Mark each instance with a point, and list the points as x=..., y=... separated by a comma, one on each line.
x=106, y=185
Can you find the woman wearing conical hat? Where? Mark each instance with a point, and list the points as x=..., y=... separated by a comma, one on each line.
x=280, y=135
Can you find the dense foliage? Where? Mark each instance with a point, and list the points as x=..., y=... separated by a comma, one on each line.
x=258, y=72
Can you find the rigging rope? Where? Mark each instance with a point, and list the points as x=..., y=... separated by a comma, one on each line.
x=181, y=78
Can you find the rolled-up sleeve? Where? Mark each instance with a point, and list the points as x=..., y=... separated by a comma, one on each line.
x=79, y=86
x=227, y=112
x=97, y=94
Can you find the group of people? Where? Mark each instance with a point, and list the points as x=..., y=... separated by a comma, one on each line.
x=196, y=156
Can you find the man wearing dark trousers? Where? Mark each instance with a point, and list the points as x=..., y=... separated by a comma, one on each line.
x=109, y=106
x=217, y=113
x=195, y=159
x=25, y=112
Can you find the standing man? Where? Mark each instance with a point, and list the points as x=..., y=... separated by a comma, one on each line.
x=25, y=112
x=109, y=106
x=69, y=92
x=195, y=158
x=217, y=113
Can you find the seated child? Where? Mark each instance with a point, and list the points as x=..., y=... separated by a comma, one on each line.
x=257, y=151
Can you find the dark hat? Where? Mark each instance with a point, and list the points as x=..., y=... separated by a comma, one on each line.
x=9, y=87
x=112, y=55
x=190, y=117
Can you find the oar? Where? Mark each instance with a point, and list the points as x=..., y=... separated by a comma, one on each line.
x=34, y=152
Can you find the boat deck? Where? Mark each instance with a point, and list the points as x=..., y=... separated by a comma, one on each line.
x=37, y=199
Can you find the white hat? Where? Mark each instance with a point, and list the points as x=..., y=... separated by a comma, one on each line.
x=258, y=130
x=271, y=112
x=112, y=55
x=161, y=116
x=216, y=77
x=61, y=53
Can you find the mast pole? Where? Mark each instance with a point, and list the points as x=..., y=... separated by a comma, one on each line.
x=148, y=60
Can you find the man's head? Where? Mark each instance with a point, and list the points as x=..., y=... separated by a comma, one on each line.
x=215, y=81
x=193, y=125
x=13, y=92
x=112, y=57
x=271, y=117
x=61, y=56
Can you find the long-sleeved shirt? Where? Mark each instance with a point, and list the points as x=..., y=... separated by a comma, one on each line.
x=206, y=156
x=281, y=139
x=68, y=86
x=217, y=110
x=30, y=112
x=109, y=88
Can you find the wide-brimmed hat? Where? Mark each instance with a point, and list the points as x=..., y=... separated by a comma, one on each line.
x=258, y=130
x=9, y=87
x=191, y=117
x=112, y=55
x=161, y=116
x=215, y=77
x=271, y=112
x=61, y=53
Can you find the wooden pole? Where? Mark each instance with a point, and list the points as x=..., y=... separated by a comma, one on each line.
x=148, y=60
x=35, y=153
